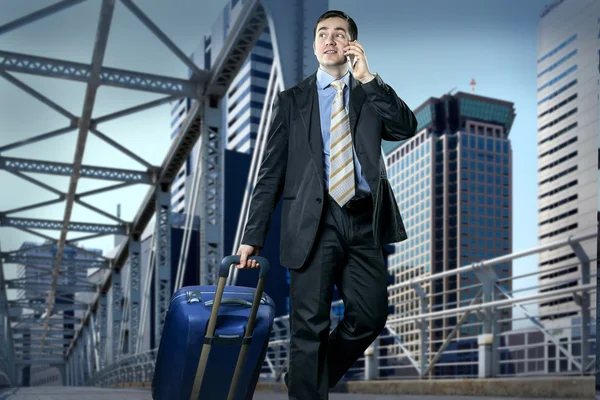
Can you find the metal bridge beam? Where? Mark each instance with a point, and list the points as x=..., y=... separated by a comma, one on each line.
x=246, y=30
x=106, y=14
x=200, y=76
x=135, y=250
x=162, y=286
x=61, y=315
x=116, y=309
x=37, y=260
x=41, y=361
x=36, y=330
x=47, y=246
x=87, y=352
x=39, y=14
x=45, y=287
x=35, y=351
x=54, y=68
x=25, y=304
x=14, y=164
x=49, y=341
x=29, y=321
x=102, y=328
x=212, y=195
x=32, y=223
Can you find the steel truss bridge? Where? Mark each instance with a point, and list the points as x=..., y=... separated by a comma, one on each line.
x=99, y=342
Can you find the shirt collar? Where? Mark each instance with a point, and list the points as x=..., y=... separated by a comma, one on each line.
x=324, y=79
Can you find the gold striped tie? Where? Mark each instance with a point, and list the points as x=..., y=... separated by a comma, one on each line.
x=341, y=171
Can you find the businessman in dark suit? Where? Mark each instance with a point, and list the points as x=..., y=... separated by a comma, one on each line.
x=324, y=155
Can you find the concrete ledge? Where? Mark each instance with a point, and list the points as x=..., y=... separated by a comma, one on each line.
x=534, y=387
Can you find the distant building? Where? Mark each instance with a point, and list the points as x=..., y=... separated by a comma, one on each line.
x=453, y=185
x=568, y=151
x=36, y=277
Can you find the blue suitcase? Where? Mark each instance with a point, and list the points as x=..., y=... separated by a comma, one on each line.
x=214, y=340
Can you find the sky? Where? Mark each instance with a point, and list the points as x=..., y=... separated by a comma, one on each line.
x=422, y=48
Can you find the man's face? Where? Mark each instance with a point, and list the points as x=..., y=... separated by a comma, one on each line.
x=330, y=39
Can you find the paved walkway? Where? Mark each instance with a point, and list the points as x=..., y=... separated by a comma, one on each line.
x=348, y=396
x=91, y=393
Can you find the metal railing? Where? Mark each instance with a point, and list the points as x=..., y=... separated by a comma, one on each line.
x=482, y=341
x=130, y=369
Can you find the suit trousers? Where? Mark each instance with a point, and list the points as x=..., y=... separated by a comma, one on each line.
x=345, y=255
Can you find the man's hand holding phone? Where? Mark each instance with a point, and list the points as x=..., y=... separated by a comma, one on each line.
x=355, y=54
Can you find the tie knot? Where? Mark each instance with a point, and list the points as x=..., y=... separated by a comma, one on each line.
x=338, y=85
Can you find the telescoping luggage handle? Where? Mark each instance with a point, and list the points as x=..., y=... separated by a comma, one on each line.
x=212, y=322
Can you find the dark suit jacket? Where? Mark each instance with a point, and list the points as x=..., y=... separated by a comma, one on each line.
x=293, y=165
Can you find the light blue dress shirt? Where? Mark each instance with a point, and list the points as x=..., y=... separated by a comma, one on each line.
x=326, y=96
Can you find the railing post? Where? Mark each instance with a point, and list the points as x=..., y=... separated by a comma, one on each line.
x=82, y=363
x=68, y=373
x=583, y=301
x=277, y=354
x=371, y=360
x=77, y=359
x=63, y=373
x=72, y=360
x=73, y=367
x=486, y=341
x=423, y=326
x=497, y=330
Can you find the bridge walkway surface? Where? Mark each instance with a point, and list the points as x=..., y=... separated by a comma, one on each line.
x=93, y=393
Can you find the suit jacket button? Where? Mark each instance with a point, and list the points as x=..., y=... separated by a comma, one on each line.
x=319, y=200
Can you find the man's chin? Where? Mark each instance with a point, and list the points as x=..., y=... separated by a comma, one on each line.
x=331, y=63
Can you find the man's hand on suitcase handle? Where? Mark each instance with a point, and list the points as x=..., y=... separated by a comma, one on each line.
x=245, y=251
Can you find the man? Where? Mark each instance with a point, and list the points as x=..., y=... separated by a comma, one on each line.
x=324, y=155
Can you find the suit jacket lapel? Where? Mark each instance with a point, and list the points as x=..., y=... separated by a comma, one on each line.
x=308, y=106
x=357, y=97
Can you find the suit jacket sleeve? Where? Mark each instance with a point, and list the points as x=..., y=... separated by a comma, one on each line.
x=399, y=122
x=271, y=178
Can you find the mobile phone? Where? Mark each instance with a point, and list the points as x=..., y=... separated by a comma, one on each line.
x=348, y=57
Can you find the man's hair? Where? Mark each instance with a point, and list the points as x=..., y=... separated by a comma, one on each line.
x=340, y=14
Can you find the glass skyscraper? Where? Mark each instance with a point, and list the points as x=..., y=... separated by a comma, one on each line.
x=452, y=182
x=246, y=96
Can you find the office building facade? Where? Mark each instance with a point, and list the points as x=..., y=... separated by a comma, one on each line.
x=37, y=276
x=453, y=185
x=568, y=142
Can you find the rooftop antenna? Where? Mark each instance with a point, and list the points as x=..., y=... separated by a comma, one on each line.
x=473, y=83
